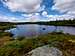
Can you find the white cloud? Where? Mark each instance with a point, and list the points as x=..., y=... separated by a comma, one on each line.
x=33, y=18
x=30, y=18
x=4, y=18
x=67, y=6
x=44, y=13
x=27, y=15
x=28, y=6
x=60, y=17
x=30, y=15
x=64, y=5
x=37, y=14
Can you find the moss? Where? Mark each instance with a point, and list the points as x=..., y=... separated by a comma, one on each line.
x=20, y=47
x=67, y=47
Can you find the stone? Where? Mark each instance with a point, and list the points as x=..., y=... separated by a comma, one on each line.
x=45, y=51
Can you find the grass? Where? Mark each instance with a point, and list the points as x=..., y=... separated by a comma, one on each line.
x=19, y=47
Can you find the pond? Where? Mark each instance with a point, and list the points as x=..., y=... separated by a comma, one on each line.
x=29, y=30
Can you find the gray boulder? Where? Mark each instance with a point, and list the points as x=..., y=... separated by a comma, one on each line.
x=45, y=51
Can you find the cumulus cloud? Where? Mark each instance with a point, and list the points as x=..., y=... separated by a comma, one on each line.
x=33, y=18
x=27, y=15
x=64, y=5
x=60, y=17
x=27, y=6
x=44, y=13
x=4, y=18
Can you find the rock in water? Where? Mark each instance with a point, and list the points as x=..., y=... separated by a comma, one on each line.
x=44, y=28
x=45, y=51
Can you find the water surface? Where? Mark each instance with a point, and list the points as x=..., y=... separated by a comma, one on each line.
x=29, y=30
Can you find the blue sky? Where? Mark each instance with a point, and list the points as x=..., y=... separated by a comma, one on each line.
x=25, y=10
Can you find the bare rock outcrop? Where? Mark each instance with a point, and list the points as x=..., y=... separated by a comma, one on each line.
x=45, y=51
